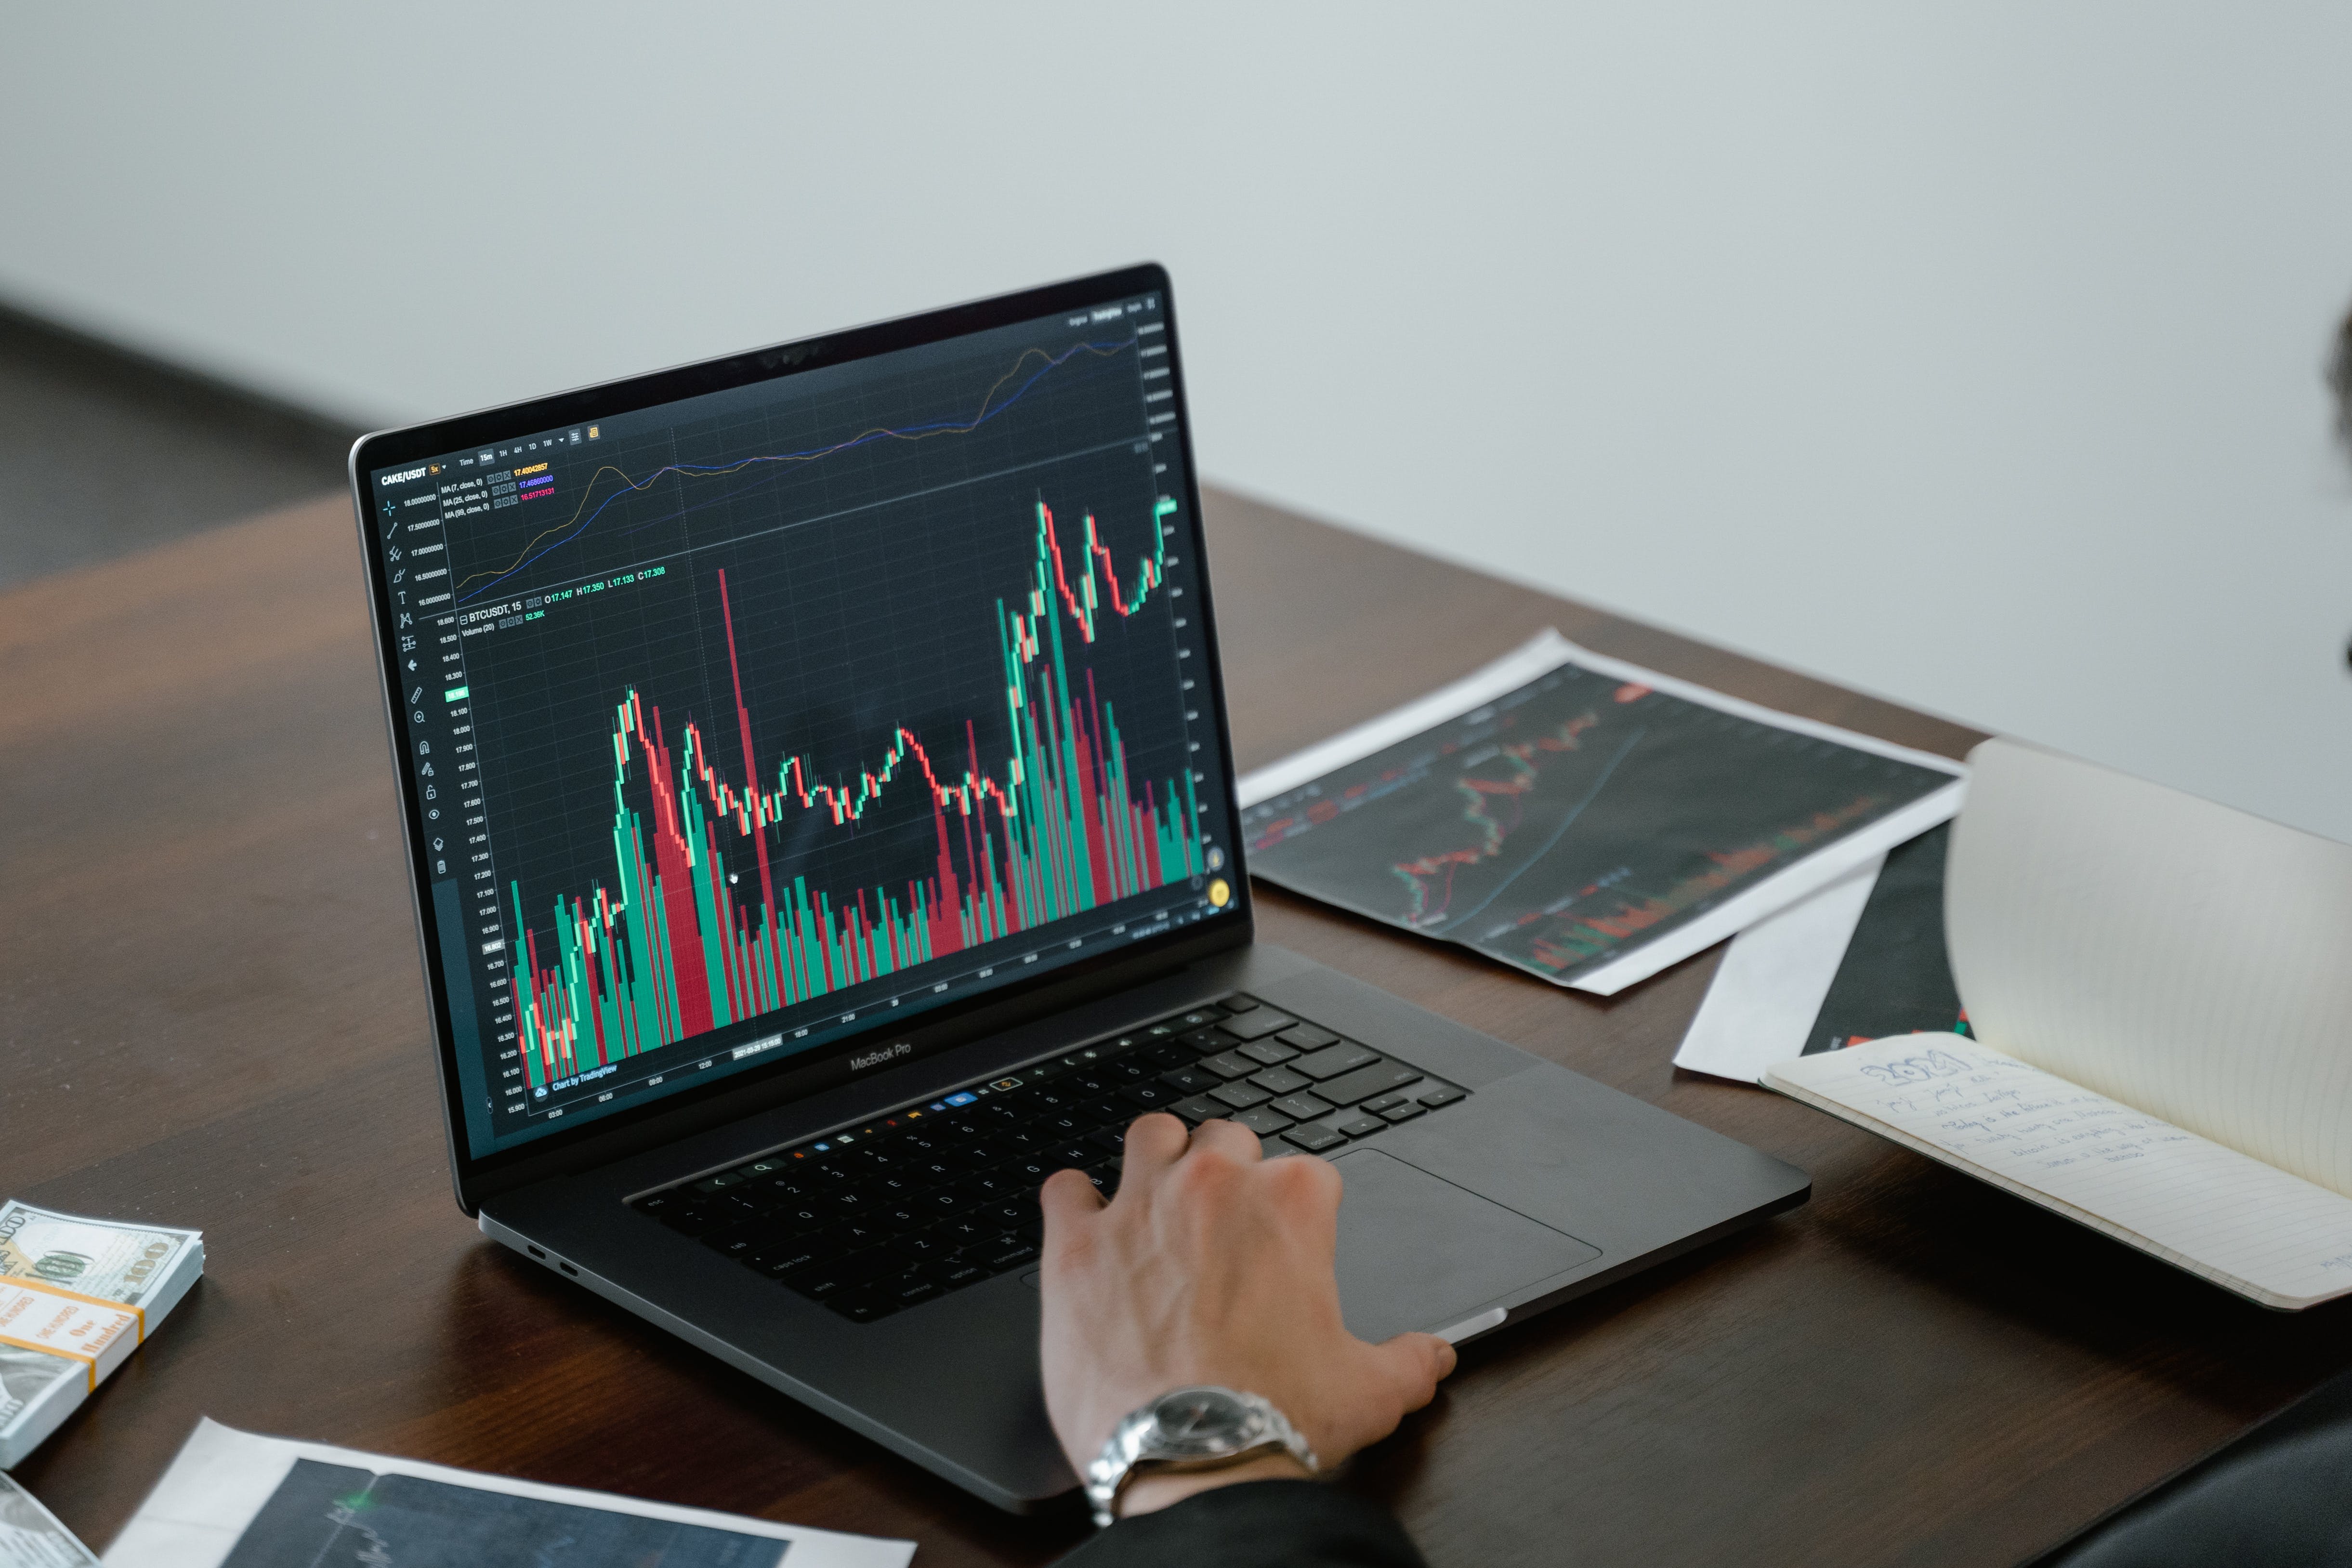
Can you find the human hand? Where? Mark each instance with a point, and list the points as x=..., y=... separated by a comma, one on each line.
x=1213, y=1265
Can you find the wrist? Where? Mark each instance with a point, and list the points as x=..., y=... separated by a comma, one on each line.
x=1194, y=1432
x=1156, y=1489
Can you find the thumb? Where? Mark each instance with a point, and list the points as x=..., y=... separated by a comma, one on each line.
x=1413, y=1363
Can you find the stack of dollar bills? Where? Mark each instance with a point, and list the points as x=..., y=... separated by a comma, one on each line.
x=76, y=1296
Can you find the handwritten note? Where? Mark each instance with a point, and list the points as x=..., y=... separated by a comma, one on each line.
x=2224, y=1215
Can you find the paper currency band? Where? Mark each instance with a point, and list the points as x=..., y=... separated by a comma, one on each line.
x=22, y=1283
x=115, y=1312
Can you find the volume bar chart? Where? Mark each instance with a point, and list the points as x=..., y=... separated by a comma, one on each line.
x=700, y=926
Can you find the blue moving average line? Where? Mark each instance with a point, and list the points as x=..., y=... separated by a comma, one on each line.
x=906, y=432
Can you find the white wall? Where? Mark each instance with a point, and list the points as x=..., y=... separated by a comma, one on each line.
x=1969, y=354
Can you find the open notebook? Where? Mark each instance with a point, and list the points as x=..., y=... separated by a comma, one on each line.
x=2162, y=991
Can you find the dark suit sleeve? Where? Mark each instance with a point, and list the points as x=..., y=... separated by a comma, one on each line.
x=2280, y=1497
x=1256, y=1524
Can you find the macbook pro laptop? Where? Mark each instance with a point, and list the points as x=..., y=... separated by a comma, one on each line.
x=814, y=771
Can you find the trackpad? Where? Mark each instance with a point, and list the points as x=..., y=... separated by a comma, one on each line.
x=1418, y=1252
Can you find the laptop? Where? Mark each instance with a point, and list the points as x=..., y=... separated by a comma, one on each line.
x=815, y=770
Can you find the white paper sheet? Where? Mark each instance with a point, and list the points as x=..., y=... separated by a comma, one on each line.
x=223, y=1479
x=1548, y=650
x=1772, y=980
x=2174, y=955
x=2244, y=1225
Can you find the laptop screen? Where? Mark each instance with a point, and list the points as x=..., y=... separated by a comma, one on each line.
x=744, y=725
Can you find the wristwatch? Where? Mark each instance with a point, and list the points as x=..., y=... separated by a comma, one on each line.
x=1203, y=1428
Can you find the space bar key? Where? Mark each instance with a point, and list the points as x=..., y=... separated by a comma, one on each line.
x=1365, y=1082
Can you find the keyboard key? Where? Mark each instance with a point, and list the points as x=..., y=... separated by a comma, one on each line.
x=1365, y=1082
x=1153, y=1095
x=839, y=1277
x=1302, y=1107
x=732, y=1242
x=687, y=1219
x=1264, y=1121
x=1257, y=1023
x=923, y=1246
x=907, y=1290
x=1199, y=1017
x=851, y=1237
x=1311, y=1138
x=719, y=1182
x=777, y=1262
x=1191, y=1080
x=1307, y=1037
x=1405, y=1112
x=956, y=1273
x=1443, y=1094
x=1011, y=1252
x=972, y=1230
x=1280, y=1080
x=1237, y=1003
x=1230, y=1065
x=1210, y=1041
x=1333, y=1061
x=1381, y=1102
x=1165, y=1056
x=863, y=1308
x=1267, y=1052
x=1202, y=1108
x=1357, y=1126
x=1002, y=1183
x=793, y=1191
x=943, y=1200
x=1108, y=1109
x=1110, y=1139
x=1239, y=1096
x=1129, y=1071
x=1091, y=1084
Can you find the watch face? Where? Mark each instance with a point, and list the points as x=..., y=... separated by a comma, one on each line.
x=1199, y=1421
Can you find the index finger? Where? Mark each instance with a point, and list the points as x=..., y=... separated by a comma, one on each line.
x=1230, y=1139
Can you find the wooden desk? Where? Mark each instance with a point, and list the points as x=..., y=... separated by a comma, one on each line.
x=210, y=1015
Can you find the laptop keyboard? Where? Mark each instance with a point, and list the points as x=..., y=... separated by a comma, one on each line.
x=872, y=1220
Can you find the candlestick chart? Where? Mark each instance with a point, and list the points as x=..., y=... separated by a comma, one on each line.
x=1572, y=820
x=1001, y=825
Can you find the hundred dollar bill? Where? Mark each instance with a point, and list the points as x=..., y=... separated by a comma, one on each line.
x=105, y=1258
x=31, y=1537
x=55, y=1264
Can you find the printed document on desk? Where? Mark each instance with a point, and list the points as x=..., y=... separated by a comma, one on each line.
x=1581, y=818
x=232, y=1499
x=1862, y=960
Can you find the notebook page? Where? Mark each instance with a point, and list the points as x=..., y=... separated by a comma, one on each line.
x=2187, y=959
x=2217, y=1213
